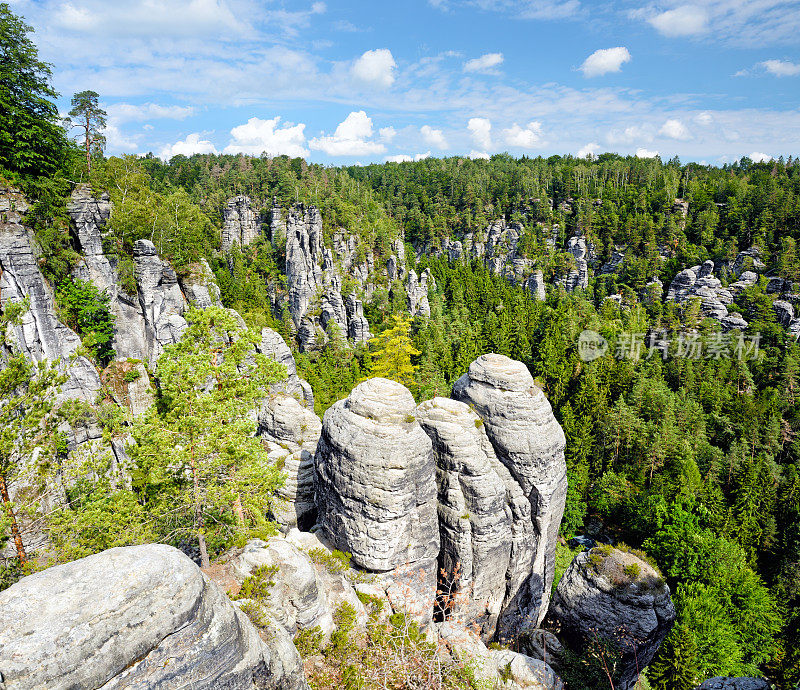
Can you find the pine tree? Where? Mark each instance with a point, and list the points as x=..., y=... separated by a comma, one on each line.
x=393, y=350
x=675, y=665
x=91, y=118
x=196, y=453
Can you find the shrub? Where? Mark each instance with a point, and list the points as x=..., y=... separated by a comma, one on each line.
x=334, y=561
x=309, y=641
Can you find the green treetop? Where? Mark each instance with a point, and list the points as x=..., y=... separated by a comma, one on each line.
x=86, y=114
x=391, y=358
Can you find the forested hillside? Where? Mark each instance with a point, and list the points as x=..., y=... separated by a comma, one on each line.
x=681, y=436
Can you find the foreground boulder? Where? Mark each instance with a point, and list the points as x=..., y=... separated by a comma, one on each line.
x=140, y=616
x=609, y=595
x=376, y=491
x=529, y=442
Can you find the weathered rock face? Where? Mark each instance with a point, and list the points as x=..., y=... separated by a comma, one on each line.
x=417, y=292
x=41, y=335
x=474, y=516
x=303, y=259
x=578, y=277
x=376, y=491
x=241, y=225
x=200, y=286
x=274, y=346
x=700, y=282
x=141, y=616
x=634, y=610
x=294, y=429
x=721, y=683
x=536, y=286
x=529, y=442
x=358, y=326
x=748, y=260
x=89, y=216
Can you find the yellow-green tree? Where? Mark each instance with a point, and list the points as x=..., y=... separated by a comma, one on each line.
x=392, y=351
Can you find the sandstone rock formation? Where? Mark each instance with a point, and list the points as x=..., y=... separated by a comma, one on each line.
x=376, y=491
x=721, y=683
x=293, y=431
x=616, y=596
x=475, y=518
x=241, y=225
x=536, y=286
x=41, y=335
x=417, y=292
x=274, y=346
x=700, y=282
x=161, y=300
x=578, y=277
x=140, y=616
x=200, y=286
x=529, y=442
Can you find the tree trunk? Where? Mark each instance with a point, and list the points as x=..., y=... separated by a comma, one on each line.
x=15, y=533
x=198, y=519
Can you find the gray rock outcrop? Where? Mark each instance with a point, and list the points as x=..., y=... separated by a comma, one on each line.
x=357, y=324
x=536, y=286
x=303, y=259
x=293, y=431
x=241, y=225
x=577, y=278
x=274, y=346
x=160, y=298
x=140, y=616
x=376, y=491
x=620, y=598
x=40, y=336
x=529, y=442
x=417, y=292
x=200, y=286
x=721, y=683
x=89, y=216
x=475, y=519
x=699, y=282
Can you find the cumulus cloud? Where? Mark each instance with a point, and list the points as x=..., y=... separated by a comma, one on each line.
x=675, y=129
x=705, y=118
x=781, y=68
x=190, y=145
x=686, y=20
x=405, y=158
x=481, y=131
x=604, y=61
x=479, y=155
x=523, y=137
x=387, y=134
x=589, y=150
x=484, y=63
x=351, y=138
x=258, y=136
x=375, y=67
x=432, y=136
x=757, y=157
x=629, y=135
x=644, y=153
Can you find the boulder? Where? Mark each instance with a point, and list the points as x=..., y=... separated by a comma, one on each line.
x=139, y=616
x=784, y=312
x=376, y=492
x=529, y=442
x=524, y=672
x=617, y=596
x=475, y=518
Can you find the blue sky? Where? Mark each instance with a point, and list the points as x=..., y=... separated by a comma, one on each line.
x=359, y=81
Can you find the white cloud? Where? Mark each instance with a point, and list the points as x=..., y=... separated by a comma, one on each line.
x=523, y=138
x=479, y=155
x=629, y=135
x=405, y=158
x=387, y=134
x=686, y=20
x=190, y=145
x=117, y=141
x=589, y=150
x=705, y=118
x=375, y=67
x=644, y=153
x=258, y=136
x=127, y=112
x=675, y=129
x=781, y=68
x=604, y=61
x=524, y=9
x=757, y=157
x=484, y=63
x=351, y=138
x=481, y=131
x=432, y=136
